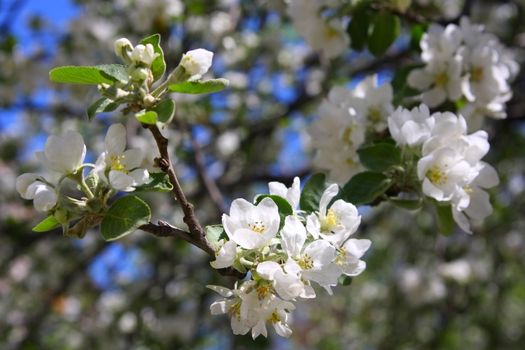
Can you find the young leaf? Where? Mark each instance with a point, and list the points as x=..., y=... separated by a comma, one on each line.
x=165, y=110
x=365, y=187
x=344, y=280
x=312, y=192
x=158, y=66
x=444, y=218
x=159, y=182
x=358, y=27
x=215, y=233
x=384, y=31
x=47, y=224
x=125, y=216
x=146, y=117
x=380, y=156
x=284, y=207
x=89, y=75
x=99, y=106
x=200, y=87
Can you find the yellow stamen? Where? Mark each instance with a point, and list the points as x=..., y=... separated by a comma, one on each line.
x=257, y=227
x=235, y=309
x=115, y=162
x=476, y=74
x=347, y=135
x=305, y=262
x=437, y=176
x=341, y=256
x=330, y=221
x=263, y=290
x=374, y=114
x=441, y=79
x=274, y=318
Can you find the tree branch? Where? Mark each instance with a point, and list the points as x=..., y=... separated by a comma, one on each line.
x=163, y=229
x=196, y=234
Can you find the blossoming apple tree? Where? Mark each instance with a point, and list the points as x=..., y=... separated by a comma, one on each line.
x=416, y=142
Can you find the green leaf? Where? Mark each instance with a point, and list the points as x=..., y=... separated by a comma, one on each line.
x=380, y=156
x=159, y=182
x=384, y=31
x=158, y=66
x=101, y=105
x=200, y=87
x=365, y=187
x=285, y=208
x=400, y=85
x=47, y=224
x=165, y=110
x=125, y=216
x=358, y=27
x=407, y=203
x=444, y=218
x=89, y=75
x=312, y=192
x=146, y=117
x=416, y=33
x=344, y=280
x=214, y=233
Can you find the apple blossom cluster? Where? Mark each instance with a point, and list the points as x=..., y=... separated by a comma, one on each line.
x=347, y=118
x=464, y=63
x=284, y=255
x=449, y=163
x=116, y=169
x=142, y=73
x=327, y=36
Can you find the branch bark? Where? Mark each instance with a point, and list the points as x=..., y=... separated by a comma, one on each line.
x=196, y=234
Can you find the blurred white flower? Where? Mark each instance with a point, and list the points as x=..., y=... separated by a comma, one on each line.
x=197, y=62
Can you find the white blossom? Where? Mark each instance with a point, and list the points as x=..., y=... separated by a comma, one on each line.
x=143, y=55
x=32, y=186
x=65, y=153
x=411, y=127
x=252, y=226
x=118, y=167
x=292, y=194
x=197, y=62
x=335, y=224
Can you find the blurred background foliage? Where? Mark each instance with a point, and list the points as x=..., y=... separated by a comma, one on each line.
x=420, y=290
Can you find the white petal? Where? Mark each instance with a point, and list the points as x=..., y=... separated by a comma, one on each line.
x=222, y=291
x=278, y=189
x=321, y=252
x=419, y=79
x=327, y=196
x=132, y=158
x=45, y=198
x=115, y=141
x=293, y=236
x=434, y=97
x=140, y=176
x=23, y=182
x=313, y=225
x=120, y=181
x=267, y=269
x=64, y=154
x=357, y=247
x=226, y=256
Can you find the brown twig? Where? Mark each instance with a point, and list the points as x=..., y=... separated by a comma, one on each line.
x=196, y=234
x=163, y=229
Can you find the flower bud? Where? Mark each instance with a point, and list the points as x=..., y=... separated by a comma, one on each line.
x=123, y=49
x=197, y=62
x=143, y=55
x=140, y=74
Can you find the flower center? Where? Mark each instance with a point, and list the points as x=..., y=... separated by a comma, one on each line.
x=330, y=32
x=263, y=291
x=257, y=227
x=305, y=262
x=341, y=256
x=347, y=135
x=476, y=74
x=441, y=79
x=274, y=318
x=330, y=221
x=115, y=162
x=235, y=309
x=374, y=114
x=437, y=176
